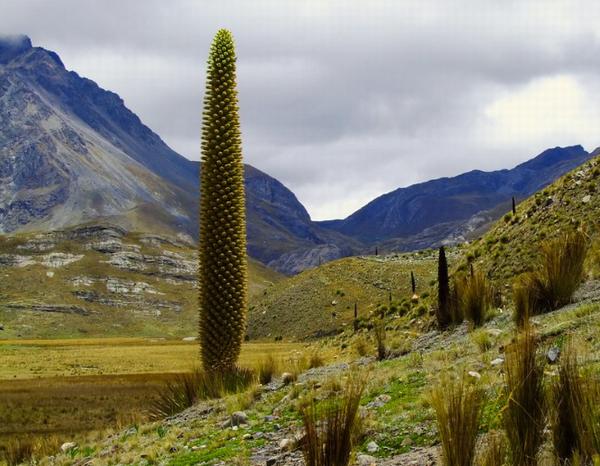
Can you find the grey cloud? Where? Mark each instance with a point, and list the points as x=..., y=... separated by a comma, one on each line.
x=341, y=101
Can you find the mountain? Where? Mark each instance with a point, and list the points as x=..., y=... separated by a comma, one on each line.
x=427, y=213
x=512, y=244
x=71, y=152
x=100, y=280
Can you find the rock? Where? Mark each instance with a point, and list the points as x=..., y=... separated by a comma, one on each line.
x=287, y=378
x=1, y=326
x=68, y=446
x=407, y=442
x=372, y=447
x=286, y=444
x=494, y=332
x=553, y=354
x=587, y=198
x=247, y=437
x=49, y=274
x=189, y=338
x=238, y=418
x=474, y=374
x=380, y=401
x=366, y=460
x=271, y=461
x=497, y=362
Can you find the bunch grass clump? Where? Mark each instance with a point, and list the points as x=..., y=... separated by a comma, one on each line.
x=457, y=405
x=475, y=298
x=187, y=389
x=524, y=415
x=332, y=428
x=267, y=369
x=555, y=279
x=576, y=411
x=493, y=450
x=380, y=340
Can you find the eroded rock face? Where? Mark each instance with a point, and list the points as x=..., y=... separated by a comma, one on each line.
x=108, y=287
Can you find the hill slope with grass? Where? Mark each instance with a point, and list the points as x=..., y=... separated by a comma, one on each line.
x=320, y=301
x=511, y=246
x=101, y=281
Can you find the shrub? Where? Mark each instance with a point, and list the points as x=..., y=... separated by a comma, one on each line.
x=576, y=411
x=524, y=414
x=331, y=430
x=267, y=369
x=186, y=389
x=482, y=339
x=457, y=406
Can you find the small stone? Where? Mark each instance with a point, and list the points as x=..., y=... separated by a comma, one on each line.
x=474, y=374
x=68, y=446
x=407, y=442
x=1, y=326
x=258, y=435
x=247, y=437
x=497, y=362
x=553, y=354
x=49, y=274
x=587, y=198
x=238, y=418
x=494, y=332
x=286, y=444
x=366, y=460
x=372, y=447
x=189, y=338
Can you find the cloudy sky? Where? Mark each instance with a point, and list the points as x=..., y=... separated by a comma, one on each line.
x=343, y=101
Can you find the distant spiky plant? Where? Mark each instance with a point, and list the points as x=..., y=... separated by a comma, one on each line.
x=443, y=308
x=223, y=262
x=413, y=283
x=514, y=206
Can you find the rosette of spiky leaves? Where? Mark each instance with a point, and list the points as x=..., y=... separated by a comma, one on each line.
x=223, y=261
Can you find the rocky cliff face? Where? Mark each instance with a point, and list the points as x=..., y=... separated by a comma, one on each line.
x=71, y=152
x=101, y=280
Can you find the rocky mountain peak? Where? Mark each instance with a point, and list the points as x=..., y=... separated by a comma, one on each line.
x=13, y=46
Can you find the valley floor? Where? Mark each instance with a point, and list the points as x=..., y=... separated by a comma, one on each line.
x=398, y=422
x=65, y=389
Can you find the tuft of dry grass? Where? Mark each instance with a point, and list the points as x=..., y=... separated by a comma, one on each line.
x=576, y=411
x=457, y=405
x=524, y=414
x=524, y=299
x=380, y=339
x=476, y=298
x=555, y=280
x=315, y=360
x=186, y=389
x=267, y=369
x=24, y=450
x=492, y=450
x=331, y=429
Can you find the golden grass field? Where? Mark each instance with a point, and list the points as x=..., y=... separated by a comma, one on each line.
x=68, y=388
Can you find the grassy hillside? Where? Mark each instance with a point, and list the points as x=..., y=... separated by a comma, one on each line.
x=102, y=281
x=321, y=300
x=511, y=246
